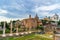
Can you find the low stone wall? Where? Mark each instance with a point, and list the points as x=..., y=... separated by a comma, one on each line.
x=20, y=33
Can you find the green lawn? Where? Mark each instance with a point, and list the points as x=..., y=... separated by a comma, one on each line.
x=29, y=37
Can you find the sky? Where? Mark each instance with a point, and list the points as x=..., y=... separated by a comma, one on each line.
x=20, y=9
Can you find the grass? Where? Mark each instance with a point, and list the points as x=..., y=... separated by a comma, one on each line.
x=28, y=37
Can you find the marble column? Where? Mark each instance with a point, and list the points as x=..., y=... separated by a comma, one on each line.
x=17, y=31
x=11, y=29
x=17, y=28
x=4, y=30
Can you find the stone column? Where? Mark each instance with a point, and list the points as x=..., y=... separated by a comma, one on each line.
x=44, y=29
x=17, y=31
x=17, y=28
x=53, y=36
x=4, y=30
x=29, y=28
x=11, y=29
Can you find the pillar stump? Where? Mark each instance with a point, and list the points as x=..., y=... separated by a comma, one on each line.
x=11, y=29
x=4, y=35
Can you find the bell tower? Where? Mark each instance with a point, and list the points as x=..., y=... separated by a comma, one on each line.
x=29, y=16
x=36, y=17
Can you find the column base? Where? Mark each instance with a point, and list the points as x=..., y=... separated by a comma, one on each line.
x=3, y=35
x=10, y=34
x=29, y=32
x=26, y=32
x=17, y=33
x=22, y=33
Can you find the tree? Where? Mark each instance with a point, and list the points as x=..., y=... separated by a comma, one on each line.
x=40, y=27
x=59, y=22
x=44, y=22
x=7, y=25
x=2, y=24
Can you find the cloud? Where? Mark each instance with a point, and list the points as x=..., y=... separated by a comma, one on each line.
x=3, y=11
x=19, y=9
x=50, y=7
x=46, y=10
x=2, y=18
x=14, y=4
x=43, y=14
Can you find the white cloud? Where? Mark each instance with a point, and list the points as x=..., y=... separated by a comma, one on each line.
x=2, y=18
x=44, y=10
x=50, y=7
x=44, y=14
x=58, y=14
x=3, y=11
x=15, y=5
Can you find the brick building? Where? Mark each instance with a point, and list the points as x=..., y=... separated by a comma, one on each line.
x=31, y=23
